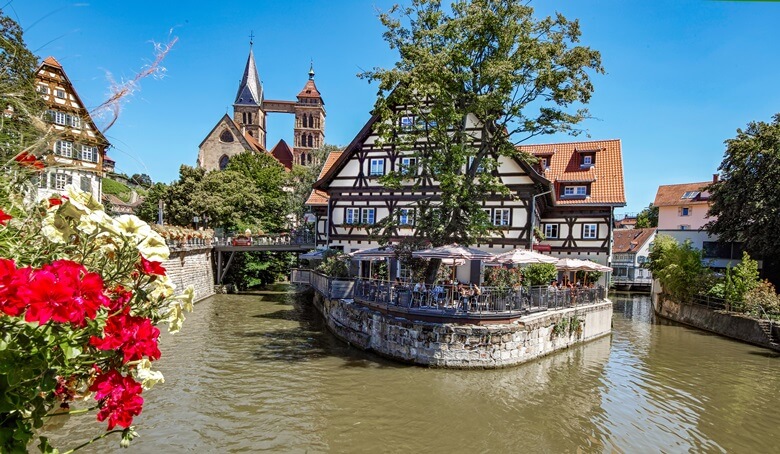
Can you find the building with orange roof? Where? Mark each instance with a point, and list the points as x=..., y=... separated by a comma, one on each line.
x=630, y=250
x=682, y=214
x=569, y=197
x=246, y=129
x=78, y=149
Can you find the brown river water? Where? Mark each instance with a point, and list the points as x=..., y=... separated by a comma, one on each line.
x=260, y=372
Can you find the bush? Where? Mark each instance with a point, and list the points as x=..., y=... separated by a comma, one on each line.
x=539, y=273
x=498, y=276
x=761, y=299
x=334, y=264
x=678, y=267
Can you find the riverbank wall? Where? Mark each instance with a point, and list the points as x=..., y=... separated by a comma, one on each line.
x=728, y=324
x=191, y=265
x=463, y=346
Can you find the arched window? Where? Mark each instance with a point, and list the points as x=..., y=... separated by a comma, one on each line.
x=311, y=141
x=305, y=121
x=226, y=136
x=303, y=158
x=308, y=159
x=311, y=121
x=223, y=162
x=250, y=118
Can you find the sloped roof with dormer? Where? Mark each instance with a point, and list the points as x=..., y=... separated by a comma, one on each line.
x=605, y=176
x=682, y=194
x=250, y=91
x=631, y=240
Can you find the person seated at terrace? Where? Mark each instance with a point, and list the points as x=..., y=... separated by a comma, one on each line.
x=553, y=287
x=419, y=287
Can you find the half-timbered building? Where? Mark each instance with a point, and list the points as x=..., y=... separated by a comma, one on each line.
x=564, y=204
x=77, y=152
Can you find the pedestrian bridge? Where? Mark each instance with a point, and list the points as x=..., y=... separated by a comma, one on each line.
x=225, y=248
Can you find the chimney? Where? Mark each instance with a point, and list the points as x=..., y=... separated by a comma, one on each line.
x=714, y=178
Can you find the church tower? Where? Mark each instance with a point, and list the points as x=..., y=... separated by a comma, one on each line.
x=248, y=107
x=309, y=133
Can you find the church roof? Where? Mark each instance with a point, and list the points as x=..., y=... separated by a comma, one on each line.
x=310, y=90
x=282, y=153
x=250, y=92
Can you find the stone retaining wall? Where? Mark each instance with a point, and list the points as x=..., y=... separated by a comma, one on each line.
x=192, y=266
x=729, y=324
x=461, y=346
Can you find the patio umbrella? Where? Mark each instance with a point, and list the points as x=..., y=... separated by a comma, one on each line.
x=312, y=255
x=374, y=253
x=576, y=265
x=453, y=251
x=523, y=257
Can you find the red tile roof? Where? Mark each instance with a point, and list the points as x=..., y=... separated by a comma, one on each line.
x=672, y=194
x=309, y=90
x=605, y=176
x=317, y=196
x=52, y=61
x=630, y=240
x=283, y=154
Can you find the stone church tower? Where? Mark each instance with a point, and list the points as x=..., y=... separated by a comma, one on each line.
x=246, y=130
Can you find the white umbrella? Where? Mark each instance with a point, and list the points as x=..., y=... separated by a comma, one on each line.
x=576, y=265
x=312, y=255
x=523, y=257
x=374, y=253
x=453, y=251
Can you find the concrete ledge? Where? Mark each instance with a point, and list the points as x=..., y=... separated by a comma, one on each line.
x=729, y=324
x=457, y=345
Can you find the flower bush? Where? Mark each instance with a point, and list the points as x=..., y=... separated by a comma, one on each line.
x=176, y=233
x=81, y=294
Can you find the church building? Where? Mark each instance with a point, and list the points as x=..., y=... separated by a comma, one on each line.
x=246, y=130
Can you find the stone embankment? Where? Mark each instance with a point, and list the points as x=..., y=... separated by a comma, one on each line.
x=464, y=346
x=191, y=265
x=729, y=324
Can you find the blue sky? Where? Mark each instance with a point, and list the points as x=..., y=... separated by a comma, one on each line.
x=682, y=75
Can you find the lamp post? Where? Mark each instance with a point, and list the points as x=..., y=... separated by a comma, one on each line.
x=533, y=218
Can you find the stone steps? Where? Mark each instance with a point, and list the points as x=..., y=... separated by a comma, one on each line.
x=766, y=327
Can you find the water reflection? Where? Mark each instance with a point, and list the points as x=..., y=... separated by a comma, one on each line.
x=260, y=372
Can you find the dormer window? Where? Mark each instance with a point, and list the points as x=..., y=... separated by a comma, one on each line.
x=575, y=191
x=587, y=160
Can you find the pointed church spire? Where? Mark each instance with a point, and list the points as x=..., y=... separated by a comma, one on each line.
x=311, y=69
x=250, y=91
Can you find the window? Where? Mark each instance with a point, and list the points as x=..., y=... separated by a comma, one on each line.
x=406, y=216
x=377, y=167
x=88, y=153
x=43, y=89
x=352, y=216
x=471, y=161
x=408, y=166
x=223, y=162
x=587, y=160
x=685, y=211
x=544, y=163
x=249, y=116
x=75, y=121
x=407, y=123
x=690, y=195
x=311, y=142
x=226, y=136
x=501, y=216
x=590, y=231
x=551, y=230
x=60, y=93
x=575, y=191
x=61, y=180
x=60, y=117
x=367, y=215
x=685, y=227
x=63, y=148
x=86, y=184
x=43, y=181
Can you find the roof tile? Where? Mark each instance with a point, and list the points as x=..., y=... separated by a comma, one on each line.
x=672, y=194
x=317, y=196
x=630, y=240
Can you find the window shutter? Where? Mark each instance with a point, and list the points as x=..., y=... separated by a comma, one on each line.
x=52, y=180
x=70, y=179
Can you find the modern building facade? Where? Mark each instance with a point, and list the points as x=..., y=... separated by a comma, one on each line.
x=75, y=155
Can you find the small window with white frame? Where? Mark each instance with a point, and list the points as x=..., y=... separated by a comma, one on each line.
x=406, y=216
x=88, y=153
x=377, y=167
x=352, y=216
x=551, y=230
x=64, y=148
x=575, y=191
x=60, y=118
x=407, y=123
x=367, y=215
x=60, y=93
x=590, y=231
x=61, y=180
x=43, y=89
x=501, y=217
x=408, y=166
x=75, y=121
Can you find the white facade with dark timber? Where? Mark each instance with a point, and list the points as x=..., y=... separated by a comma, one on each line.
x=577, y=220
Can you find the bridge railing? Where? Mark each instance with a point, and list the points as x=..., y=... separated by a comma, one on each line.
x=282, y=239
x=333, y=288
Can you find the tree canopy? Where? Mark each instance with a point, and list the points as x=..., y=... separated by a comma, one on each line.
x=648, y=217
x=745, y=202
x=473, y=81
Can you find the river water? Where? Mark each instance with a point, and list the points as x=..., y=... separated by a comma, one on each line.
x=260, y=372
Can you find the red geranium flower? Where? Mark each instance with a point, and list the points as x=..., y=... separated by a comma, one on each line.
x=119, y=297
x=64, y=291
x=4, y=217
x=151, y=267
x=135, y=336
x=29, y=160
x=14, y=287
x=120, y=398
x=54, y=201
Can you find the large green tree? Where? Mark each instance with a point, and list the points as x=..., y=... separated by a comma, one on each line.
x=486, y=60
x=21, y=128
x=648, y=217
x=745, y=202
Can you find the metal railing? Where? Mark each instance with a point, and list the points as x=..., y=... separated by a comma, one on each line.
x=282, y=239
x=449, y=300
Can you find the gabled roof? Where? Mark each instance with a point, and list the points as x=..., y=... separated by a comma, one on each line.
x=606, y=176
x=50, y=63
x=250, y=91
x=630, y=240
x=310, y=90
x=326, y=176
x=682, y=194
x=244, y=138
x=283, y=154
x=318, y=197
